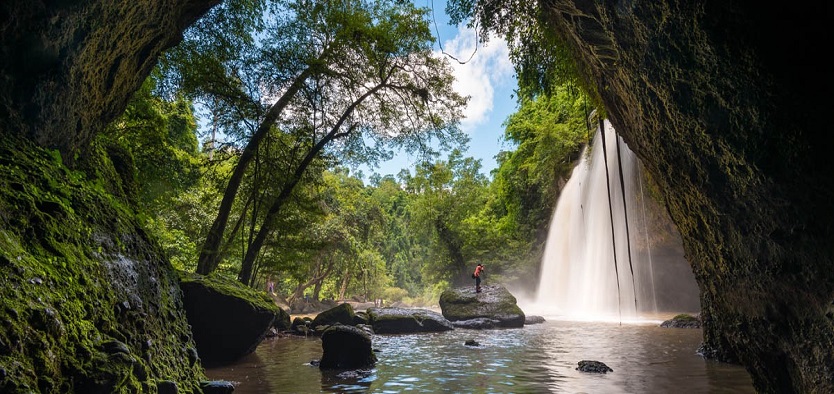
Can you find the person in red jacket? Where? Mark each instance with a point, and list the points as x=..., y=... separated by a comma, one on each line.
x=477, y=275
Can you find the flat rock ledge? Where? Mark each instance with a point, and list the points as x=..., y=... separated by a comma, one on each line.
x=494, y=302
x=406, y=321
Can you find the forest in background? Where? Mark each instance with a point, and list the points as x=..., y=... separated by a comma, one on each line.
x=303, y=91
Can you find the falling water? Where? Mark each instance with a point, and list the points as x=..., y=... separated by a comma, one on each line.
x=578, y=279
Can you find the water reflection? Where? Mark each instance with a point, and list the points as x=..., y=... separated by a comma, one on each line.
x=534, y=359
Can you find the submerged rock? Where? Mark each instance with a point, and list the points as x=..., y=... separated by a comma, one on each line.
x=404, y=320
x=217, y=387
x=593, y=367
x=471, y=342
x=493, y=302
x=533, y=320
x=228, y=320
x=346, y=347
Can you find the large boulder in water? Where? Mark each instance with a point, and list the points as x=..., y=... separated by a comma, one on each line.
x=405, y=320
x=342, y=314
x=346, y=347
x=493, y=302
x=227, y=319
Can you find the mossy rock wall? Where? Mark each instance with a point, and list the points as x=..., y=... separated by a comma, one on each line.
x=88, y=303
x=727, y=104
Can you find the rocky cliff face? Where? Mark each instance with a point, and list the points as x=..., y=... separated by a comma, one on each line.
x=88, y=303
x=67, y=68
x=725, y=102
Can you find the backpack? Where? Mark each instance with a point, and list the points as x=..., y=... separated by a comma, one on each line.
x=473, y=275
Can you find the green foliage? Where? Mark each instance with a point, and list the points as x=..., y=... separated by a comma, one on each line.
x=543, y=62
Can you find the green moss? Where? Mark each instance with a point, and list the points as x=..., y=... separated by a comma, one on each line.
x=685, y=317
x=78, y=275
x=258, y=299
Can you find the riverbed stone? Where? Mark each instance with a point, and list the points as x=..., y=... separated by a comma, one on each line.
x=217, y=387
x=593, y=367
x=227, y=319
x=406, y=320
x=346, y=347
x=480, y=323
x=493, y=302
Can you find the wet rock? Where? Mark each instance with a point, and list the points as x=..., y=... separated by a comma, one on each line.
x=300, y=326
x=217, y=387
x=593, y=367
x=480, y=323
x=533, y=320
x=471, y=342
x=682, y=321
x=493, y=302
x=282, y=321
x=346, y=347
x=366, y=327
x=404, y=320
x=360, y=318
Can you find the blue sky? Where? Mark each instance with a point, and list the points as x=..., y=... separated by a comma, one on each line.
x=487, y=78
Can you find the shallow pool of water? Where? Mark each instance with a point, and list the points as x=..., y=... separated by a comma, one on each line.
x=538, y=358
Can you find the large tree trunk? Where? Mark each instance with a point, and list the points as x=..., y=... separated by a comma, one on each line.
x=211, y=252
x=727, y=103
x=286, y=191
x=67, y=70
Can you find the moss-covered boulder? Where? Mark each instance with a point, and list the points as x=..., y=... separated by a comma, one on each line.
x=228, y=319
x=405, y=321
x=88, y=302
x=342, y=314
x=346, y=347
x=493, y=302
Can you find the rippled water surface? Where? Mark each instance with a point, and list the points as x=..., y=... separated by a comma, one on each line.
x=538, y=358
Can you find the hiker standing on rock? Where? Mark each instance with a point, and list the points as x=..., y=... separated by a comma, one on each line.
x=477, y=275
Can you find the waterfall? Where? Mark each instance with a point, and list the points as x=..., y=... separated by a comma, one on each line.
x=578, y=279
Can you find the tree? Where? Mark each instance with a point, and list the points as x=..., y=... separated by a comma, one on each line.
x=363, y=75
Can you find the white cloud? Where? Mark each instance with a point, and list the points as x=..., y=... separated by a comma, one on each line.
x=489, y=67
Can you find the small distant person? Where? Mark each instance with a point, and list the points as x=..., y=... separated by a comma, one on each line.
x=479, y=269
x=270, y=286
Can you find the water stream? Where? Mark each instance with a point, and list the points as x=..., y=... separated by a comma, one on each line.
x=587, y=319
x=540, y=358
